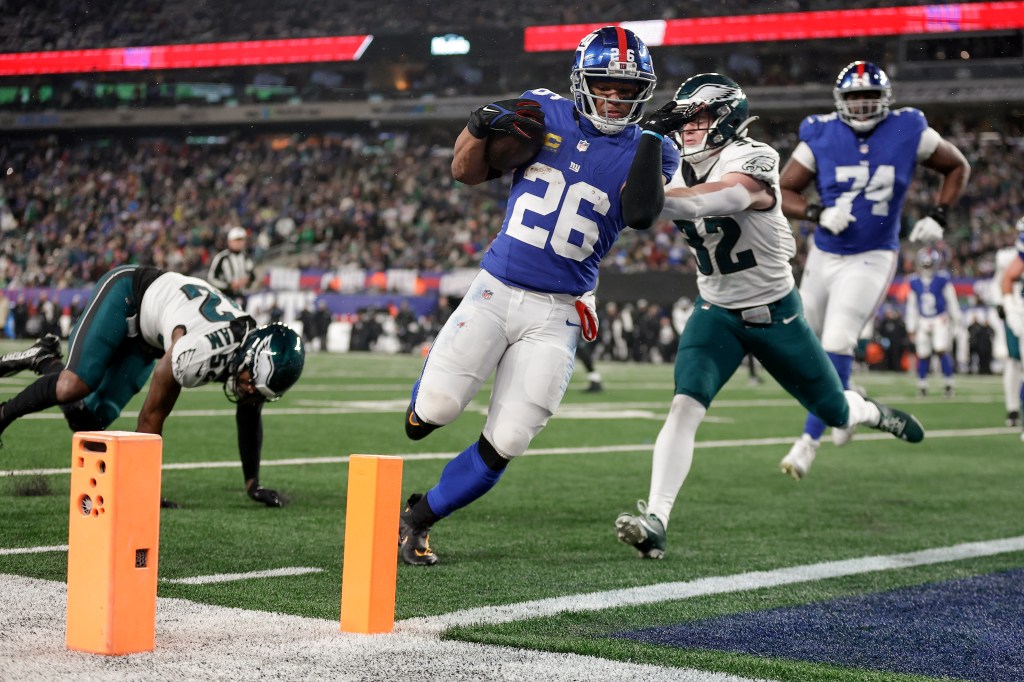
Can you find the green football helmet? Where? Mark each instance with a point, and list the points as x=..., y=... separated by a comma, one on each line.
x=723, y=98
x=274, y=356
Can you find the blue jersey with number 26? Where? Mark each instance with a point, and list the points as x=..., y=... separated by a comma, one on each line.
x=870, y=174
x=565, y=209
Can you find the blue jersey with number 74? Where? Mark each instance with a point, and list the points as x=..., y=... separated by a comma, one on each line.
x=869, y=174
x=565, y=209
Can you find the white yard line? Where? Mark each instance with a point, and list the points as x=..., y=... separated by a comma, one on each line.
x=755, y=580
x=9, y=551
x=235, y=577
x=537, y=452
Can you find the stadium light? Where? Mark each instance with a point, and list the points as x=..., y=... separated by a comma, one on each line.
x=847, y=23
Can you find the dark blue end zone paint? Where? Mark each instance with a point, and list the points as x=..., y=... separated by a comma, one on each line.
x=971, y=629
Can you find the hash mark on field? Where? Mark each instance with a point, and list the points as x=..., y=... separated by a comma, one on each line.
x=232, y=577
x=538, y=452
x=32, y=550
x=740, y=582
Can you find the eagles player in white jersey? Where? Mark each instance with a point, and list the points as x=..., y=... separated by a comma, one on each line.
x=726, y=202
x=141, y=321
x=1011, y=343
x=1013, y=314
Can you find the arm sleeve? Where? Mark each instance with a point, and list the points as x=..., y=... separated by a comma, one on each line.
x=725, y=201
x=952, y=303
x=644, y=193
x=911, y=317
x=805, y=157
x=249, y=420
x=928, y=143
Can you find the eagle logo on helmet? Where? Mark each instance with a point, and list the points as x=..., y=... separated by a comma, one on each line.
x=274, y=356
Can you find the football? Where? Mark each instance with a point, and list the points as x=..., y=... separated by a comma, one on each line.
x=505, y=151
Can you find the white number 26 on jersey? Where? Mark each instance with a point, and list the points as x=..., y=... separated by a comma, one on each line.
x=563, y=201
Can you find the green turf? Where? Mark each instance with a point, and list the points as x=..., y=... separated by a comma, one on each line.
x=547, y=529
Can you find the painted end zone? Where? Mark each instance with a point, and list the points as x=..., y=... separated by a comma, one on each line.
x=966, y=629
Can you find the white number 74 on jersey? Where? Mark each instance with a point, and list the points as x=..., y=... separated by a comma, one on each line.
x=877, y=188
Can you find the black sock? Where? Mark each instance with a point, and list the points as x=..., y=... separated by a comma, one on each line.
x=37, y=396
x=422, y=515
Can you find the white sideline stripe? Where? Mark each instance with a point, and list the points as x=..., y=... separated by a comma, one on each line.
x=538, y=452
x=202, y=642
x=741, y=582
x=233, y=577
x=32, y=550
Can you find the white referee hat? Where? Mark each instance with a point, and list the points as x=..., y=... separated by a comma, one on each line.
x=236, y=233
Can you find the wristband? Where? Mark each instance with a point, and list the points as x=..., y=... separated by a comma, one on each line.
x=813, y=212
x=938, y=214
x=654, y=134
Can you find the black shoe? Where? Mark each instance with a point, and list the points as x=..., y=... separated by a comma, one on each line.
x=269, y=497
x=414, y=541
x=903, y=425
x=167, y=504
x=922, y=392
x=594, y=387
x=1013, y=418
x=949, y=392
x=38, y=354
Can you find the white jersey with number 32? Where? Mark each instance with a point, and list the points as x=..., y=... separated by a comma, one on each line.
x=742, y=259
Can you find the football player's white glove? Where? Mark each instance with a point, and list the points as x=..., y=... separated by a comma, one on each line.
x=1014, y=312
x=586, y=306
x=926, y=230
x=835, y=219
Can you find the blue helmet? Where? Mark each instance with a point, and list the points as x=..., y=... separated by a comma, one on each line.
x=862, y=113
x=928, y=259
x=617, y=54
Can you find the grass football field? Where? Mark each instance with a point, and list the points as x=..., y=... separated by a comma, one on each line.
x=535, y=564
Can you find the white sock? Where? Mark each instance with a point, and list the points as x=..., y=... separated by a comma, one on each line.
x=861, y=411
x=1011, y=384
x=673, y=455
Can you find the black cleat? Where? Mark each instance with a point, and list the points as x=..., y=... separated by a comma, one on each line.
x=903, y=425
x=949, y=392
x=168, y=504
x=1013, y=418
x=269, y=497
x=594, y=387
x=414, y=541
x=38, y=354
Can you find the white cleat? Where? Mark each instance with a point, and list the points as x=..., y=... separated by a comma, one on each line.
x=798, y=462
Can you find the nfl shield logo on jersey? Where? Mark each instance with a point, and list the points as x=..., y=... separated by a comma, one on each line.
x=486, y=295
x=582, y=145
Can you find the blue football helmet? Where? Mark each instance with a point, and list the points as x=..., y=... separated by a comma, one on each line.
x=928, y=259
x=862, y=113
x=611, y=53
x=274, y=356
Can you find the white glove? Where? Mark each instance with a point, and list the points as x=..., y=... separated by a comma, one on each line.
x=586, y=306
x=926, y=230
x=1014, y=314
x=835, y=219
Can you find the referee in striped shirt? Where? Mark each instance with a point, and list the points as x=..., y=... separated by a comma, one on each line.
x=231, y=270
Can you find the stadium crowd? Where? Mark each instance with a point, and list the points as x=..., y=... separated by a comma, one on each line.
x=373, y=200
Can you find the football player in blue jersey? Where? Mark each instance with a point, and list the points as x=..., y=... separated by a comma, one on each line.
x=933, y=316
x=725, y=200
x=524, y=313
x=142, y=322
x=861, y=160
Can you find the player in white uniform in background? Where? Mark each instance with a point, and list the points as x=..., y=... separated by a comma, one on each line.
x=1011, y=342
x=861, y=159
x=725, y=200
x=142, y=322
x=1013, y=311
x=524, y=312
x=933, y=316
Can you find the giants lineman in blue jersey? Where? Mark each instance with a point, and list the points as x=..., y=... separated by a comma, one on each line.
x=861, y=159
x=933, y=316
x=523, y=314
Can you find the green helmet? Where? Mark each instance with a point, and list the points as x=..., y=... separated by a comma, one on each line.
x=274, y=356
x=727, y=104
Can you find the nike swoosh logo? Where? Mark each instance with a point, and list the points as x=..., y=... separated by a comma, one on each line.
x=571, y=324
x=787, y=320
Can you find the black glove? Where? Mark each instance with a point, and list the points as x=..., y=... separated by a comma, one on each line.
x=269, y=497
x=671, y=117
x=1001, y=312
x=519, y=117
